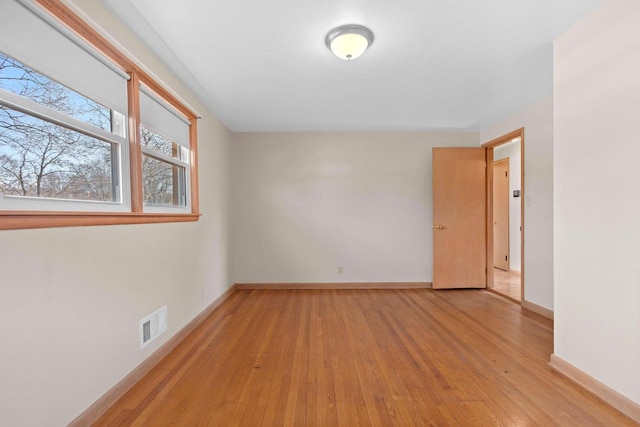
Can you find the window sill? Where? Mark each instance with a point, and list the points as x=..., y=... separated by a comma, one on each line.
x=15, y=220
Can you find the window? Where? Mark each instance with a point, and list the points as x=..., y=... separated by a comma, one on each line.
x=86, y=135
x=42, y=159
x=164, y=139
x=164, y=178
x=54, y=142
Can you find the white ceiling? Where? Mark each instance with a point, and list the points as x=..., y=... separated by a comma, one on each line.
x=434, y=64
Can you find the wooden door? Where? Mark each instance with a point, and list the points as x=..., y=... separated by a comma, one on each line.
x=501, y=214
x=459, y=218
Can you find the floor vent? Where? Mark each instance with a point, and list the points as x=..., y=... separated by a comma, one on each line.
x=152, y=326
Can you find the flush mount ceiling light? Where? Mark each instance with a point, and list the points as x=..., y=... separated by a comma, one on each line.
x=349, y=41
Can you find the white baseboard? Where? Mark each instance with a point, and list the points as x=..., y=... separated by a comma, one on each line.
x=542, y=311
x=337, y=285
x=603, y=391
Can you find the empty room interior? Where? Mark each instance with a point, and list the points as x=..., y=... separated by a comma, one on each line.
x=319, y=213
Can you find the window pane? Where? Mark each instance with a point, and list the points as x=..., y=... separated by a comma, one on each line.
x=24, y=81
x=163, y=183
x=41, y=159
x=159, y=143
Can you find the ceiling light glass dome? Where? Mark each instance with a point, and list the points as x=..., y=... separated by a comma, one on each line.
x=348, y=42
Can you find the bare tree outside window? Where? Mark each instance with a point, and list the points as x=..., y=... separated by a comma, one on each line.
x=163, y=182
x=42, y=159
x=18, y=78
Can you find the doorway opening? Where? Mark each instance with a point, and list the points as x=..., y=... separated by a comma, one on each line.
x=505, y=215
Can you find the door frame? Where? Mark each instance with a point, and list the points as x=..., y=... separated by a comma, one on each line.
x=489, y=146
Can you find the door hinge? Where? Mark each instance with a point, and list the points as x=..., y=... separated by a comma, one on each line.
x=506, y=258
x=506, y=173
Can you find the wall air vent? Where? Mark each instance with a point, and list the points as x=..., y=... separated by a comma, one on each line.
x=152, y=326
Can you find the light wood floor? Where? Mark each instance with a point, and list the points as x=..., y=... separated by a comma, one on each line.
x=507, y=283
x=363, y=357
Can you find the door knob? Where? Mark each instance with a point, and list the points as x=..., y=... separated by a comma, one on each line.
x=439, y=227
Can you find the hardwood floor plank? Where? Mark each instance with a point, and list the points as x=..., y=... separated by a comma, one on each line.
x=362, y=357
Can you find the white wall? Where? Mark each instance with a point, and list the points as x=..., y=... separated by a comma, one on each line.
x=71, y=298
x=597, y=189
x=511, y=150
x=538, y=192
x=306, y=203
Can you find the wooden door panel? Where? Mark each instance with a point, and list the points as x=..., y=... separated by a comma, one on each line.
x=459, y=218
x=501, y=214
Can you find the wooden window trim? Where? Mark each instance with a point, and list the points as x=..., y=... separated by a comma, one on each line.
x=135, y=153
x=44, y=219
x=12, y=220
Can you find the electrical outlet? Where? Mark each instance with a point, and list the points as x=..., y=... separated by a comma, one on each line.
x=340, y=270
